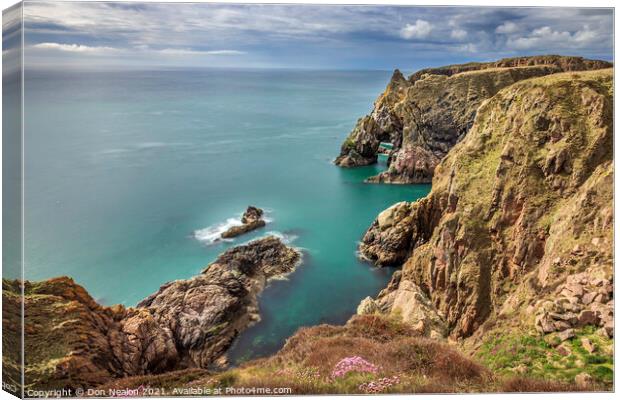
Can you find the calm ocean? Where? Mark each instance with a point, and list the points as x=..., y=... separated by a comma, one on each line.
x=130, y=175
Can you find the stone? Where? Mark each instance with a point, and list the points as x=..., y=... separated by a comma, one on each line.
x=563, y=349
x=584, y=380
x=569, y=317
x=601, y=297
x=575, y=289
x=587, y=317
x=367, y=306
x=588, y=345
x=566, y=334
x=561, y=325
x=413, y=306
x=251, y=214
x=602, y=332
x=388, y=239
x=392, y=215
x=544, y=324
x=589, y=297
x=609, y=329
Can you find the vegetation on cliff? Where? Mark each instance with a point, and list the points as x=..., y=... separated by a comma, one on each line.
x=369, y=354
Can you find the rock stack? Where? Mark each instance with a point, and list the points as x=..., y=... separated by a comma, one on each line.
x=252, y=219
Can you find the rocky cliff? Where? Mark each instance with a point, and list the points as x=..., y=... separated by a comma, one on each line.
x=73, y=342
x=424, y=116
x=517, y=230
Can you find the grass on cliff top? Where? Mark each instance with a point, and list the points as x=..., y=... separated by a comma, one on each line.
x=306, y=362
x=529, y=354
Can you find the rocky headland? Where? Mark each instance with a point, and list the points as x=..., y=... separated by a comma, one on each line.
x=73, y=342
x=252, y=219
x=425, y=115
x=516, y=236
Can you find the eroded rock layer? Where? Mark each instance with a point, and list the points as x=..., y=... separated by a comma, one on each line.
x=522, y=203
x=426, y=115
x=73, y=342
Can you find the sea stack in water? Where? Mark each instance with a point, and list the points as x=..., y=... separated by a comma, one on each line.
x=186, y=323
x=252, y=219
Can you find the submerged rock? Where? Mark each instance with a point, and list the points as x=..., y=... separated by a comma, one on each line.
x=251, y=219
x=186, y=323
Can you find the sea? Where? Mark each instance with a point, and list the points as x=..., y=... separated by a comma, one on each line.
x=131, y=176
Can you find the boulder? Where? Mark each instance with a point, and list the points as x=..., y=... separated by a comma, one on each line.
x=588, y=345
x=587, y=317
x=367, y=306
x=544, y=323
x=564, y=350
x=566, y=334
x=388, y=239
x=589, y=297
x=584, y=380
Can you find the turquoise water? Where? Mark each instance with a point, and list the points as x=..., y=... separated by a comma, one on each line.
x=128, y=175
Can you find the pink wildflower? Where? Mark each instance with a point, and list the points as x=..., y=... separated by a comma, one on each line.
x=380, y=385
x=356, y=363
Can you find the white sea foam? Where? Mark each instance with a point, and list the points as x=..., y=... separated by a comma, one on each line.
x=213, y=233
x=285, y=238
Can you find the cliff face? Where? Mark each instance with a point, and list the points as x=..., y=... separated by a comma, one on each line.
x=426, y=115
x=518, y=211
x=73, y=342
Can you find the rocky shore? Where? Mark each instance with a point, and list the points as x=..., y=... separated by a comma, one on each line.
x=425, y=115
x=73, y=342
x=252, y=219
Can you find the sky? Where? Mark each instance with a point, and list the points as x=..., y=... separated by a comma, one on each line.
x=124, y=35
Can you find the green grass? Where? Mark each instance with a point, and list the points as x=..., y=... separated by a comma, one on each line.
x=536, y=356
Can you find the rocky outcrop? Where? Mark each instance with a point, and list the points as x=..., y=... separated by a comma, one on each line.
x=426, y=115
x=407, y=300
x=585, y=299
x=387, y=241
x=206, y=313
x=73, y=342
x=252, y=219
x=523, y=202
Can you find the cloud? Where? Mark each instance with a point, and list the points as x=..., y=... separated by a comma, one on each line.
x=81, y=48
x=507, y=27
x=458, y=34
x=419, y=30
x=190, y=52
x=74, y=48
x=546, y=37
